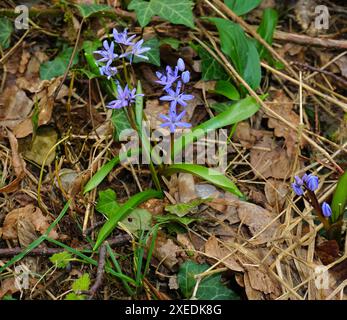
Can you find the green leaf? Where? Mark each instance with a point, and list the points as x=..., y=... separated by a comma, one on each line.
x=173, y=218
x=210, y=287
x=138, y=220
x=240, y=49
x=74, y=296
x=120, y=122
x=210, y=68
x=207, y=174
x=266, y=30
x=101, y=174
x=139, y=107
x=82, y=283
x=220, y=107
x=6, y=29
x=237, y=112
x=153, y=54
x=61, y=260
x=87, y=10
x=57, y=67
x=339, y=201
x=177, y=12
x=123, y=212
x=241, y=7
x=107, y=203
x=182, y=209
x=8, y=297
x=227, y=89
x=172, y=42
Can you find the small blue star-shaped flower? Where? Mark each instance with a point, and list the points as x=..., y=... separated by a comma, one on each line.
x=107, y=54
x=176, y=97
x=125, y=97
x=173, y=121
x=122, y=37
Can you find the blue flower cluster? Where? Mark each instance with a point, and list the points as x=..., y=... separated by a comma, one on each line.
x=309, y=182
x=173, y=81
x=129, y=49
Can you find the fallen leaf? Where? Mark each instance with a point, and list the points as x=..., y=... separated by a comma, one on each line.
x=165, y=251
x=276, y=192
x=8, y=286
x=186, y=187
x=215, y=250
x=25, y=216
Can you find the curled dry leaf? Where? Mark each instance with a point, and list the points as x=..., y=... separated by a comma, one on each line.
x=8, y=286
x=276, y=192
x=24, y=217
x=216, y=250
x=186, y=187
x=165, y=251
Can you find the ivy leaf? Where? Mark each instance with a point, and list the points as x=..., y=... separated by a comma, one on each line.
x=210, y=68
x=57, y=67
x=87, y=10
x=177, y=12
x=120, y=122
x=61, y=259
x=241, y=7
x=210, y=288
x=240, y=49
x=153, y=54
x=182, y=209
x=107, y=203
x=6, y=28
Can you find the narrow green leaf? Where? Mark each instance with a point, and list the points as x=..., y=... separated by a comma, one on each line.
x=177, y=12
x=123, y=211
x=101, y=174
x=87, y=10
x=6, y=29
x=237, y=112
x=339, y=202
x=240, y=49
x=227, y=89
x=153, y=54
x=139, y=107
x=207, y=174
x=266, y=30
x=241, y=7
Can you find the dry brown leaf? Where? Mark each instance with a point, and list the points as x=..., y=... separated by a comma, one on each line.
x=24, y=217
x=274, y=163
x=165, y=251
x=256, y=219
x=260, y=280
x=186, y=187
x=15, y=106
x=276, y=192
x=8, y=286
x=283, y=106
x=251, y=293
x=214, y=249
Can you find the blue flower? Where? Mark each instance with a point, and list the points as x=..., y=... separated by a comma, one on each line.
x=125, y=97
x=176, y=97
x=122, y=37
x=180, y=64
x=297, y=189
x=107, y=54
x=168, y=79
x=137, y=51
x=185, y=76
x=311, y=182
x=108, y=71
x=173, y=121
x=326, y=210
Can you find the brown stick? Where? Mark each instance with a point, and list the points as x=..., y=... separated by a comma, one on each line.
x=9, y=252
x=100, y=272
x=307, y=40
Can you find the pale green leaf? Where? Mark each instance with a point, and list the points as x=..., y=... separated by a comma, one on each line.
x=87, y=10
x=138, y=220
x=227, y=89
x=82, y=283
x=61, y=259
x=182, y=209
